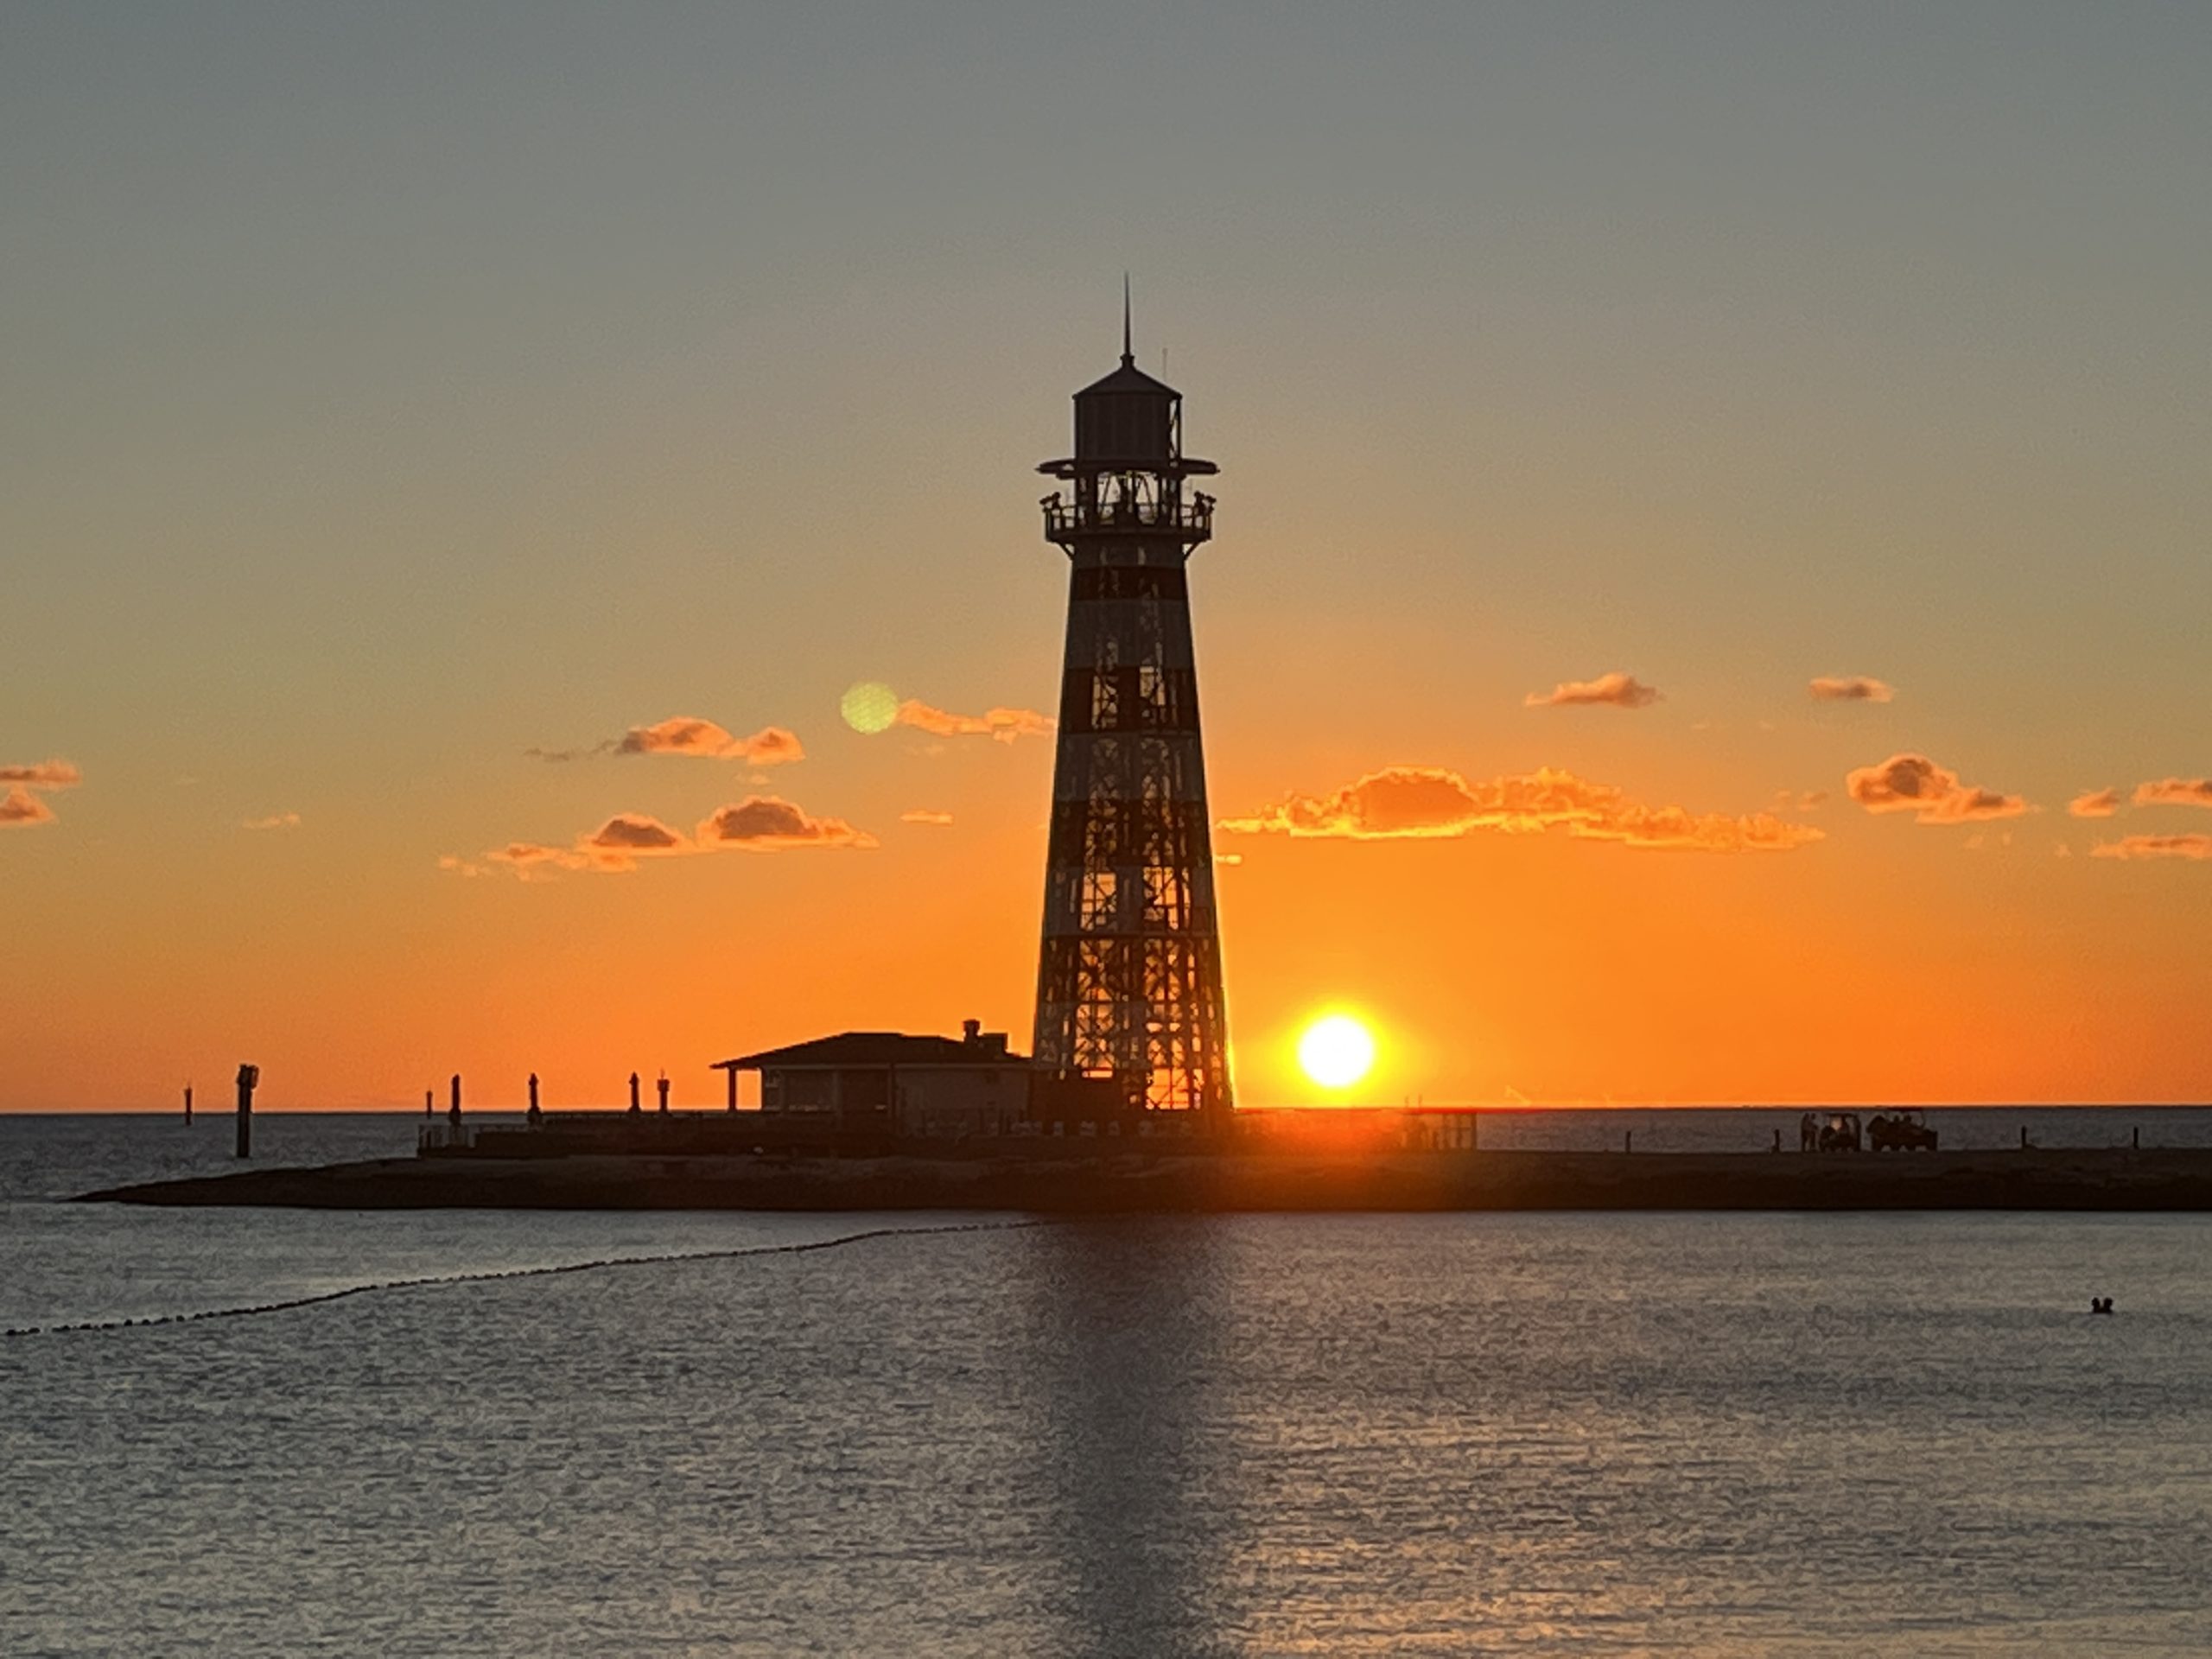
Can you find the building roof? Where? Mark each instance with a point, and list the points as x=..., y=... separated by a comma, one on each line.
x=874, y=1048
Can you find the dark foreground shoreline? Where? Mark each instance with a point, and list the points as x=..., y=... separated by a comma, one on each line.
x=1197, y=1183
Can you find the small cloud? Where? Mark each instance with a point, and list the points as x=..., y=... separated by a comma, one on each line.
x=1849, y=688
x=1615, y=690
x=2095, y=803
x=689, y=734
x=633, y=832
x=1431, y=803
x=2194, y=845
x=22, y=809
x=922, y=815
x=768, y=824
x=43, y=774
x=1229, y=858
x=275, y=821
x=1790, y=800
x=1915, y=784
x=615, y=846
x=772, y=745
x=2175, y=791
x=761, y=823
x=1004, y=724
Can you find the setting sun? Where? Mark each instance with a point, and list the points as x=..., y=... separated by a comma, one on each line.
x=1335, y=1051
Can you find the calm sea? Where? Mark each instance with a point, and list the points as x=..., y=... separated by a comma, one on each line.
x=1435, y=1435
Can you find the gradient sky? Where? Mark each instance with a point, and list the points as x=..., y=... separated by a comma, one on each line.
x=393, y=390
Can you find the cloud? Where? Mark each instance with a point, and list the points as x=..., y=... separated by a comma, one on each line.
x=1004, y=724
x=615, y=846
x=761, y=823
x=922, y=815
x=632, y=832
x=1430, y=803
x=274, y=821
x=43, y=774
x=768, y=823
x=1616, y=691
x=1849, y=688
x=1913, y=783
x=2095, y=803
x=2175, y=791
x=21, y=809
x=772, y=745
x=2194, y=845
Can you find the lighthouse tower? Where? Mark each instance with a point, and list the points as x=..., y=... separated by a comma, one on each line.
x=1128, y=982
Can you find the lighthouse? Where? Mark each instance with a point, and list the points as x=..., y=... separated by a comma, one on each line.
x=1128, y=979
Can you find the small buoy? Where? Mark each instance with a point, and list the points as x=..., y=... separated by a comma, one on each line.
x=2100, y=1304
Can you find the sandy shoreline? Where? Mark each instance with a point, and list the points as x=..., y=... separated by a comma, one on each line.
x=1183, y=1182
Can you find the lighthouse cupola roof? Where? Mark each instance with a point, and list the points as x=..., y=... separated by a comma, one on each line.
x=1127, y=415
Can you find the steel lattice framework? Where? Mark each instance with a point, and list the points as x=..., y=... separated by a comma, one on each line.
x=1128, y=981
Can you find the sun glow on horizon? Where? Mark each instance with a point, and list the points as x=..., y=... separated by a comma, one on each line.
x=1336, y=1051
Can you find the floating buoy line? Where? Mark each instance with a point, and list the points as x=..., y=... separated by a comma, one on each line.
x=493, y=1275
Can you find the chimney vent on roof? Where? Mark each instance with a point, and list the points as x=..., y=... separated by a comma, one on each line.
x=970, y=1030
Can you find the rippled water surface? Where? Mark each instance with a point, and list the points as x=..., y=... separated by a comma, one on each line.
x=1739, y=1434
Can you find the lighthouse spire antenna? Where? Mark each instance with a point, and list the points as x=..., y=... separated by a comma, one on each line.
x=1128, y=355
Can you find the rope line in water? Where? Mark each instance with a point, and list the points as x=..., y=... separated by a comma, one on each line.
x=492, y=1275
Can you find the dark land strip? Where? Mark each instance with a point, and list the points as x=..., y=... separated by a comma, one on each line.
x=1180, y=1181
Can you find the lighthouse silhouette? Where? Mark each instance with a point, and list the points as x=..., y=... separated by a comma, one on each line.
x=1128, y=979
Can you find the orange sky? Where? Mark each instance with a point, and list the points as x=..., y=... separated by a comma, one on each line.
x=1710, y=568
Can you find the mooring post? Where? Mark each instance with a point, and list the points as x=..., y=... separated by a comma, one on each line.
x=453, y=1112
x=663, y=1086
x=633, y=1092
x=187, y=1105
x=1628, y=1140
x=2023, y=1137
x=2134, y=1135
x=534, y=1116
x=248, y=1077
x=428, y=1109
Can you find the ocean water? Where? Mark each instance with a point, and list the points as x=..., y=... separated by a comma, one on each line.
x=974, y=1435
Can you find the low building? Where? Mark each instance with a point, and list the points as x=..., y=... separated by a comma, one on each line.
x=864, y=1083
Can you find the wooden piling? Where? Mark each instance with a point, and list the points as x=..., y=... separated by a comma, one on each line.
x=453, y=1112
x=187, y=1105
x=663, y=1086
x=248, y=1076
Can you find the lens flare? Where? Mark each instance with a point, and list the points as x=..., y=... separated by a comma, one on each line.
x=1336, y=1051
x=870, y=707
